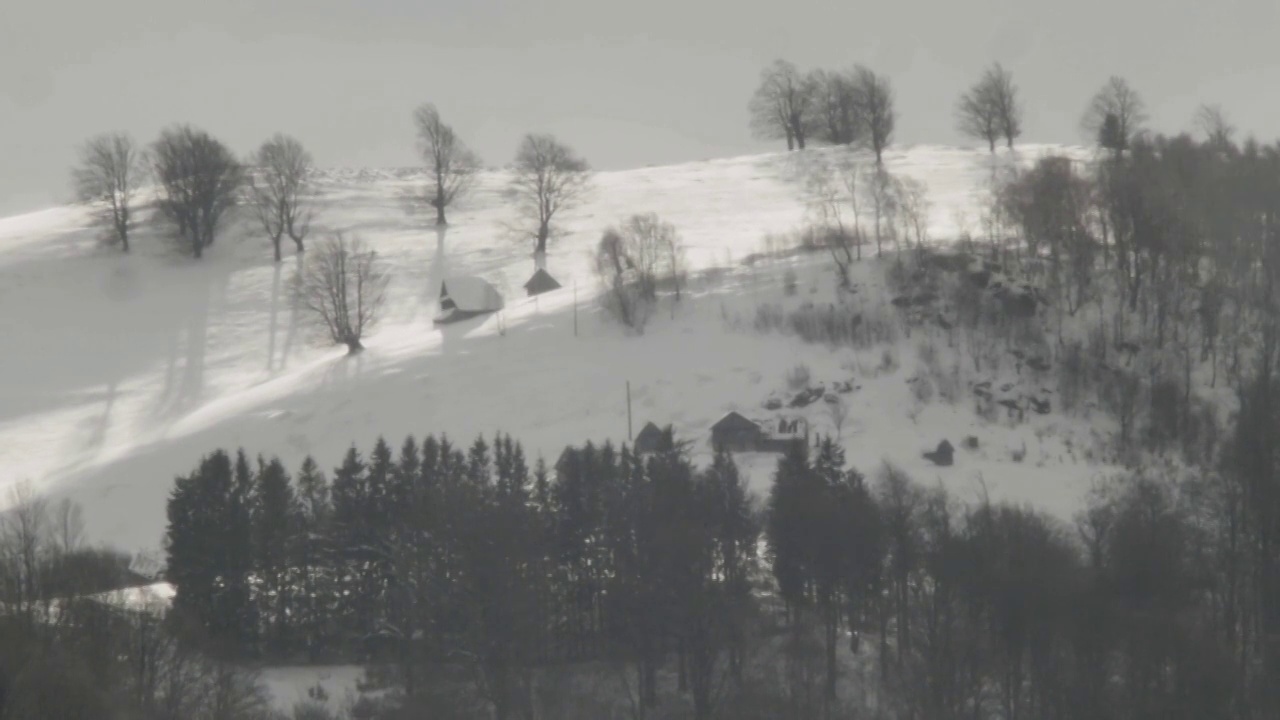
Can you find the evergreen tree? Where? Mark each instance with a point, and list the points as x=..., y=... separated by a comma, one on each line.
x=317, y=592
x=277, y=521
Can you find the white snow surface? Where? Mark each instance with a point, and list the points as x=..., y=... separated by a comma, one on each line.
x=118, y=372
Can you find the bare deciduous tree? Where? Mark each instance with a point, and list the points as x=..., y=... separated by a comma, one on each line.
x=110, y=170
x=548, y=177
x=881, y=190
x=1114, y=114
x=836, y=107
x=784, y=106
x=827, y=201
x=280, y=190
x=629, y=262
x=1212, y=121
x=199, y=180
x=913, y=207
x=451, y=164
x=875, y=109
x=342, y=284
x=990, y=109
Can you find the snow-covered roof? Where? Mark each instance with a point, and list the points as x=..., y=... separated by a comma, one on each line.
x=471, y=294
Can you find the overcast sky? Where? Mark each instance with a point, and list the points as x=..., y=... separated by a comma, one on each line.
x=627, y=84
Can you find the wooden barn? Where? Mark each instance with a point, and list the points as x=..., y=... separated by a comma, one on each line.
x=651, y=440
x=736, y=433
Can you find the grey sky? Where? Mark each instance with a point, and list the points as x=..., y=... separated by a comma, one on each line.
x=627, y=84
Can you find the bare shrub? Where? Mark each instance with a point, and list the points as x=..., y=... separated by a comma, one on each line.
x=342, y=284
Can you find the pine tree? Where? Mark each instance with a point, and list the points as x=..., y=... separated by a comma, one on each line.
x=318, y=598
x=194, y=561
x=349, y=538
x=276, y=537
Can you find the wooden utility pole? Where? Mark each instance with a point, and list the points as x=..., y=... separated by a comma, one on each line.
x=628, y=411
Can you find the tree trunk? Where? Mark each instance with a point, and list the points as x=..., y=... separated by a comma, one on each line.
x=541, y=246
x=354, y=347
x=440, y=221
x=275, y=242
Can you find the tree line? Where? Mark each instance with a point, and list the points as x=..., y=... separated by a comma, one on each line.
x=837, y=594
x=199, y=182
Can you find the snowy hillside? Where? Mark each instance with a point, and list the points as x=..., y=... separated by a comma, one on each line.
x=118, y=372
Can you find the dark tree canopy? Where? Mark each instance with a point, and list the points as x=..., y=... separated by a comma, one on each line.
x=200, y=180
x=990, y=110
x=875, y=109
x=784, y=106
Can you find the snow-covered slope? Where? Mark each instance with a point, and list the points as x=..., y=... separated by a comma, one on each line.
x=118, y=372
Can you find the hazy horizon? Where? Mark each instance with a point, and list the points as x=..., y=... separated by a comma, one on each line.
x=627, y=87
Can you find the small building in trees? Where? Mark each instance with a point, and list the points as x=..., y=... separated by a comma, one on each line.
x=736, y=433
x=651, y=440
x=466, y=297
x=541, y=282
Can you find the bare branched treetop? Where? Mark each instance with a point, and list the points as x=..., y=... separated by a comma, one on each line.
x=199, y=180
x=111, y=168
x=548, y=177
x=453, y=166
x=1114, y=115
x=342, y=283
x=784, y=106
x=990, y=109
x=836, y=107
x=875, y=109
x=280, y=190
x=1212, y=121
